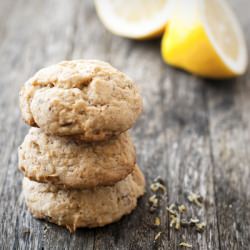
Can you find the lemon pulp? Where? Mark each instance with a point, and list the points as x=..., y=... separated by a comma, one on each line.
x=204, y=38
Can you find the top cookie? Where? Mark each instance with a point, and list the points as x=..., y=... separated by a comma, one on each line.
x=88, y=99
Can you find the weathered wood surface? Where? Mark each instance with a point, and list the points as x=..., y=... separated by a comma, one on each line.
x=193, y=132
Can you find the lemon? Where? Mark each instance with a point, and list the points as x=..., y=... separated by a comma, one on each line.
x=205, y=38
x=137, y=19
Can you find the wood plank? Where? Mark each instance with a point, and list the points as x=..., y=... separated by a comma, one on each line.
x=37, y=35
x=189, y=166
x=231, y=165
x=228, y=104
x=6, y=10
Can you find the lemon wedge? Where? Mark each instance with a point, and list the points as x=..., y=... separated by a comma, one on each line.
x=205, y=38
x=137, y=19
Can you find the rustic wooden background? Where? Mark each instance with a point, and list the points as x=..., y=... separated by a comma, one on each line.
x=193, y=132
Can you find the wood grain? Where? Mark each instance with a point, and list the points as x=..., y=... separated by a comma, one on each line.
x=194, y=133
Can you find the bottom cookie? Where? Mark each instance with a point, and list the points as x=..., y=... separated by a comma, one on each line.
x=84, y=208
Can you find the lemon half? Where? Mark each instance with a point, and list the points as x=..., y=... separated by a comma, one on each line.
x=205, y=38
x=137, y=19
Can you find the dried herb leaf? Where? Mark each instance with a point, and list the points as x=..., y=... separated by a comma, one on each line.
x=196, y=199
x=157, y=221
x=175, y=221
x=157, y=236
x=185, y=244
x=154, y=200
x=182, y=208
x=193, y=221
x=171, y=209
x=157, y=186
x=200, y=226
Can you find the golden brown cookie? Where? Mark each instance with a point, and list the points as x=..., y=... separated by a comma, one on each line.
x=84, y=208
x=75, y=164
x=88, y=99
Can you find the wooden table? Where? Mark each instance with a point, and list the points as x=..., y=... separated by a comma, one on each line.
x=194, y=133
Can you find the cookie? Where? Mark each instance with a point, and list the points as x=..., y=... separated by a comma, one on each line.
x=84, y=208
x=75, y=164
x=88, y=99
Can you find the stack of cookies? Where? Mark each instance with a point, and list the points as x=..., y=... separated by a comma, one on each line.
x=78, y=160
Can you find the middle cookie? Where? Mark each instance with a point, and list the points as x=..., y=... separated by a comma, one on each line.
x=75, y=164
